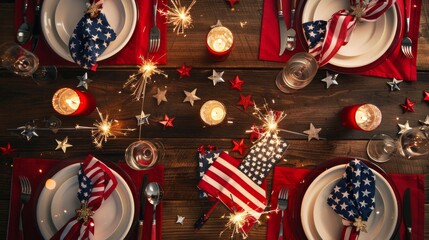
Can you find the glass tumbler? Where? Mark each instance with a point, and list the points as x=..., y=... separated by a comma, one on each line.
x=298, y=72
x=17, y=59
x=144, y=154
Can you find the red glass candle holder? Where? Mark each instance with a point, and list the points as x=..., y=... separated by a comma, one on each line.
x=219, y=43
x=363, y=117
x=73, y=102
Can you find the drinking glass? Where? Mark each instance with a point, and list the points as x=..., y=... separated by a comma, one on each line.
x=298, y=72
x=17, y=59
x=412, y=144
x=144, y=154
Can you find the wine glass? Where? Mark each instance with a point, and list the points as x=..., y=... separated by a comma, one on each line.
x=412, y=144
x=144, y=154
x=17, y=59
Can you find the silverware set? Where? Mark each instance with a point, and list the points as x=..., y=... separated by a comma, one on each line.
x=287, y=36
x=154, y=34
x=282, y=202
x=24, y=198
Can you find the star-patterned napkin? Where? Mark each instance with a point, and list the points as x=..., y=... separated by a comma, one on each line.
x=353, y=198
x=91, y=37
x=205, y=160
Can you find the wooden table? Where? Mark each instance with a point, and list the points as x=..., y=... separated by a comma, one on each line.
x=22, y=100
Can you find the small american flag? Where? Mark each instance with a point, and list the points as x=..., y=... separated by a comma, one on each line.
x=353, y=197
x=89, y=40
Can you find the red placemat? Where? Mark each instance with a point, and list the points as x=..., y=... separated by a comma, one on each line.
x=38, y=170
x=129, y=55
x=395, y=65
x=293, y=177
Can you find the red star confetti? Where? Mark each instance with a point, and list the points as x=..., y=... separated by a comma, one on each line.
x=256, y=133
x=245, y=101
x=7, y=151
x=239, y=147
x=408, y=106
x=211, y=147
x=236, y=83
x=167, y=122
x=201, y=150
x=426, y=97
x=184, y=71
x=232, y=2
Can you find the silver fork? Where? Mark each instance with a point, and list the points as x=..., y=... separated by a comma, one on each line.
x=25, y=197
x=291, y=34
x=154, y=34
x=406, y=44
x=282, y=201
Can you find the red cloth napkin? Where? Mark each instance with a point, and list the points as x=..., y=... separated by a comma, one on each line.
x=129, y=55
x=36, y=171
x=291, y=177
x=396, y=65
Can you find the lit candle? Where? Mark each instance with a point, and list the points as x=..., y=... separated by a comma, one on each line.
x=213, y=112
x=219, y=43
x=364, y=117
x=72, y=102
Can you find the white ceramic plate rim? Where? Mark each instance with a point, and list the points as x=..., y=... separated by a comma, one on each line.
x=44, y=202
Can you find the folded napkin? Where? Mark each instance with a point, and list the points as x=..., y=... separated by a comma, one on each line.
x=96, y=183
x=353, y=198
x=393, y=65
x=136, y=47
x=293, y=178
x=205, y=160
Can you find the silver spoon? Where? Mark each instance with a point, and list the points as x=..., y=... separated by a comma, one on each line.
x=24, y=31
x=154, y=195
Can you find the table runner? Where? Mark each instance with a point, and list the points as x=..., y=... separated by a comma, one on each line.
x=36, y=170
x=291, y=177
x=129, y=55
x=396, y=65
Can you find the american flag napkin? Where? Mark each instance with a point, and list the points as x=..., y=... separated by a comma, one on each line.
x=205, y=160
x=353, y=198
x=96, y=183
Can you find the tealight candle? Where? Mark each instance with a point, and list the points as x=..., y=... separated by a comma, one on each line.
x=213, y=112
x=364, y=117
x=219, y=43
x=72, y=102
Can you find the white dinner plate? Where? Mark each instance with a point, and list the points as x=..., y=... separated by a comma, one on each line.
x=60, y=17
x=55, y=207
x=368, y=42
x=319, y=221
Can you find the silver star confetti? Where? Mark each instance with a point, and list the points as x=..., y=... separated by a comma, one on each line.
x=330, y=79
x=63, y=145
x=83, y=81
x=426, y=121
x=180, y=219
x=394, y=85
x=191, y=96
x=403, y=127
x=160, y=96
x=313, y=132
x=216, y=77
x=29, y=130
x=142, y=119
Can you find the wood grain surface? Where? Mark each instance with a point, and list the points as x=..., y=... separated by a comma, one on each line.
x=21, y=100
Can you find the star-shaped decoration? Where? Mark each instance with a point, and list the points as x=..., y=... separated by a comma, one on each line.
x=94, y=9
x=394, y=84
x=191, y=97
x=245, y=101
x=7, y=151
x=256, y=133
x=63, y=145
x=312, y=132
x=29, y=130
x=180, y=219
x=232, y=2
x=408, y=106
x=84, y=213
x=184, y=71
x=160, y=96
x=83, y=81
x=330, y=79
x=142, y=119
x=357, y=11
x=239, y=146
x=216, y=77
x=404, y=127
x=236, y=83
x=426, y=95
x=201, y=150
x=167, y=122
x=426, y=121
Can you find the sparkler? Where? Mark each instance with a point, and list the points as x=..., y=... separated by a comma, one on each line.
x=180, y=16
x=236, y=221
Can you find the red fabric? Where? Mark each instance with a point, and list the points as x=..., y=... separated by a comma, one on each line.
x=395, y=65
x=36, y=169
x=129, y=55
x=291, y=177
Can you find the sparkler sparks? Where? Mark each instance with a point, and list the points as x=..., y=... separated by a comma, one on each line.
x=180, y=16
x=270, y=120
x=236, y=221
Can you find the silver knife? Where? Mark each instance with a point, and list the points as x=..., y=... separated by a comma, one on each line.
x=142, y=206
x=37, y=27
x=407, y=214
x=282, y=27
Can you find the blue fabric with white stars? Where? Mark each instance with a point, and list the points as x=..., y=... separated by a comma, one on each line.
x=314, y=32
x=85, y=186
x=204, y=162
